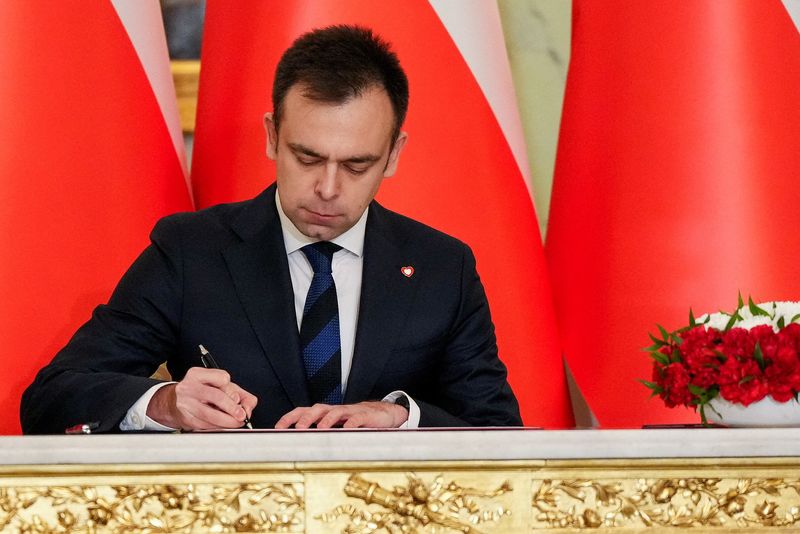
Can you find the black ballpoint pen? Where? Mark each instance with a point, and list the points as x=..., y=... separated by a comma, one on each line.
x=210, y=363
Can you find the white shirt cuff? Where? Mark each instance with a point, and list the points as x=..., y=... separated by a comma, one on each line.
x=136, y=418
x=413, y=409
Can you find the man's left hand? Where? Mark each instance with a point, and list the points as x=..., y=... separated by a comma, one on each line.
x=371, y=414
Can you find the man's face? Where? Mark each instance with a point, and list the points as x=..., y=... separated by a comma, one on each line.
x=332, y=158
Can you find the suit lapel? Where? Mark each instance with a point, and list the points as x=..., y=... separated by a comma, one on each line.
x=260, y=273
x=386, y=297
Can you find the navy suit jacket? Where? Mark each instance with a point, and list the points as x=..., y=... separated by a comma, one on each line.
x=220, y=277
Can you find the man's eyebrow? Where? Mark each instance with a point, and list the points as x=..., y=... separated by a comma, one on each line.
x=365, y=158
x=360, y=158
x=296, y=147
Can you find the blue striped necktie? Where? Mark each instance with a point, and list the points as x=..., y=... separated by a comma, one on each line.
x=319, y=331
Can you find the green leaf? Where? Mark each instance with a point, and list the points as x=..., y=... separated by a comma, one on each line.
x=732, y=321
x=675, y=357
x=796, y=317
x=755, y=310
x=692, y=322
x=658, y=342
x=781, y=323
x=676, y=339
x=759, y=356
x=702, y=412
x=656, y=389
x=741, y=302
x=663, y=359
x=702, y=395
x=697, y=390
x=664, y=333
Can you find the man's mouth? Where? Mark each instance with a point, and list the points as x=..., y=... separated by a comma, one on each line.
x=321, y=215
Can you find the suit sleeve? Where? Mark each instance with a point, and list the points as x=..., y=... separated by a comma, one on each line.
x=474, y=390
x=105, y=367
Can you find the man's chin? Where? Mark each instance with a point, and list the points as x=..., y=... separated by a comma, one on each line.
x=321, y=232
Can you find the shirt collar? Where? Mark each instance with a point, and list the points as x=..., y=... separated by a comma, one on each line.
x=293, y=239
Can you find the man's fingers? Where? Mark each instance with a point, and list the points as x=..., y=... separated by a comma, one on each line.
x=368, y=414
x=203, y=402
x=335, y=416
x=222, y=404
x=190, y=422
x=205, y=418
x=247, y=400
x=188, y=392
x=303, y=417
x=212, y=377
x=289, y=418
x=357, y=420
x=238, y=395
x=204, y=399
x=197, y=415
x=364, y=414
x=218, y=419
x=312, y=415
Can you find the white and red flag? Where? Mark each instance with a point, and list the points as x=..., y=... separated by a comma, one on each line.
x=463, y=171
x=676, y=182
x=91, y=155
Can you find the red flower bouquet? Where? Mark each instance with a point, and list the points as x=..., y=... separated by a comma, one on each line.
x=741, y=357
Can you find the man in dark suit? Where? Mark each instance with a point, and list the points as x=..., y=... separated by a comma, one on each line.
x=322, y=307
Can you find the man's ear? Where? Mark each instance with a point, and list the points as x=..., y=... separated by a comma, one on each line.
x=394, y=155
x=272, y=135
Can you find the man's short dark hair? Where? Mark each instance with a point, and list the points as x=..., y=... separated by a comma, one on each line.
x=337, y=63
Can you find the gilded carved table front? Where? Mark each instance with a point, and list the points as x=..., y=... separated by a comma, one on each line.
x=322, y=488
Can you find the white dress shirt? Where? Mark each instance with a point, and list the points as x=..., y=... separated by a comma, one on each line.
x=347, y=267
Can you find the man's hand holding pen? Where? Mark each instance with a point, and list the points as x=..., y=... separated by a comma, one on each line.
x=207, y=399
x=204, y=399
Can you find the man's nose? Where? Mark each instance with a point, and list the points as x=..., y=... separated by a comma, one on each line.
x=328, y=183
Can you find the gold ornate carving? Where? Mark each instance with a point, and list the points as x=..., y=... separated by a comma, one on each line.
x=154, y=508
x=678, y=502
x=417, y=507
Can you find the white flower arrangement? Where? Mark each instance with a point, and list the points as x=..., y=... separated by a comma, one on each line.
x=776, y=314
x=741, y=357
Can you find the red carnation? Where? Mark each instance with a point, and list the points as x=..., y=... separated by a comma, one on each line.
x=789, y=336
x=738, y=343
x=767, y=340
x=676, y=385
x=783, y=376
x=785, y=358
x=742, y=382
